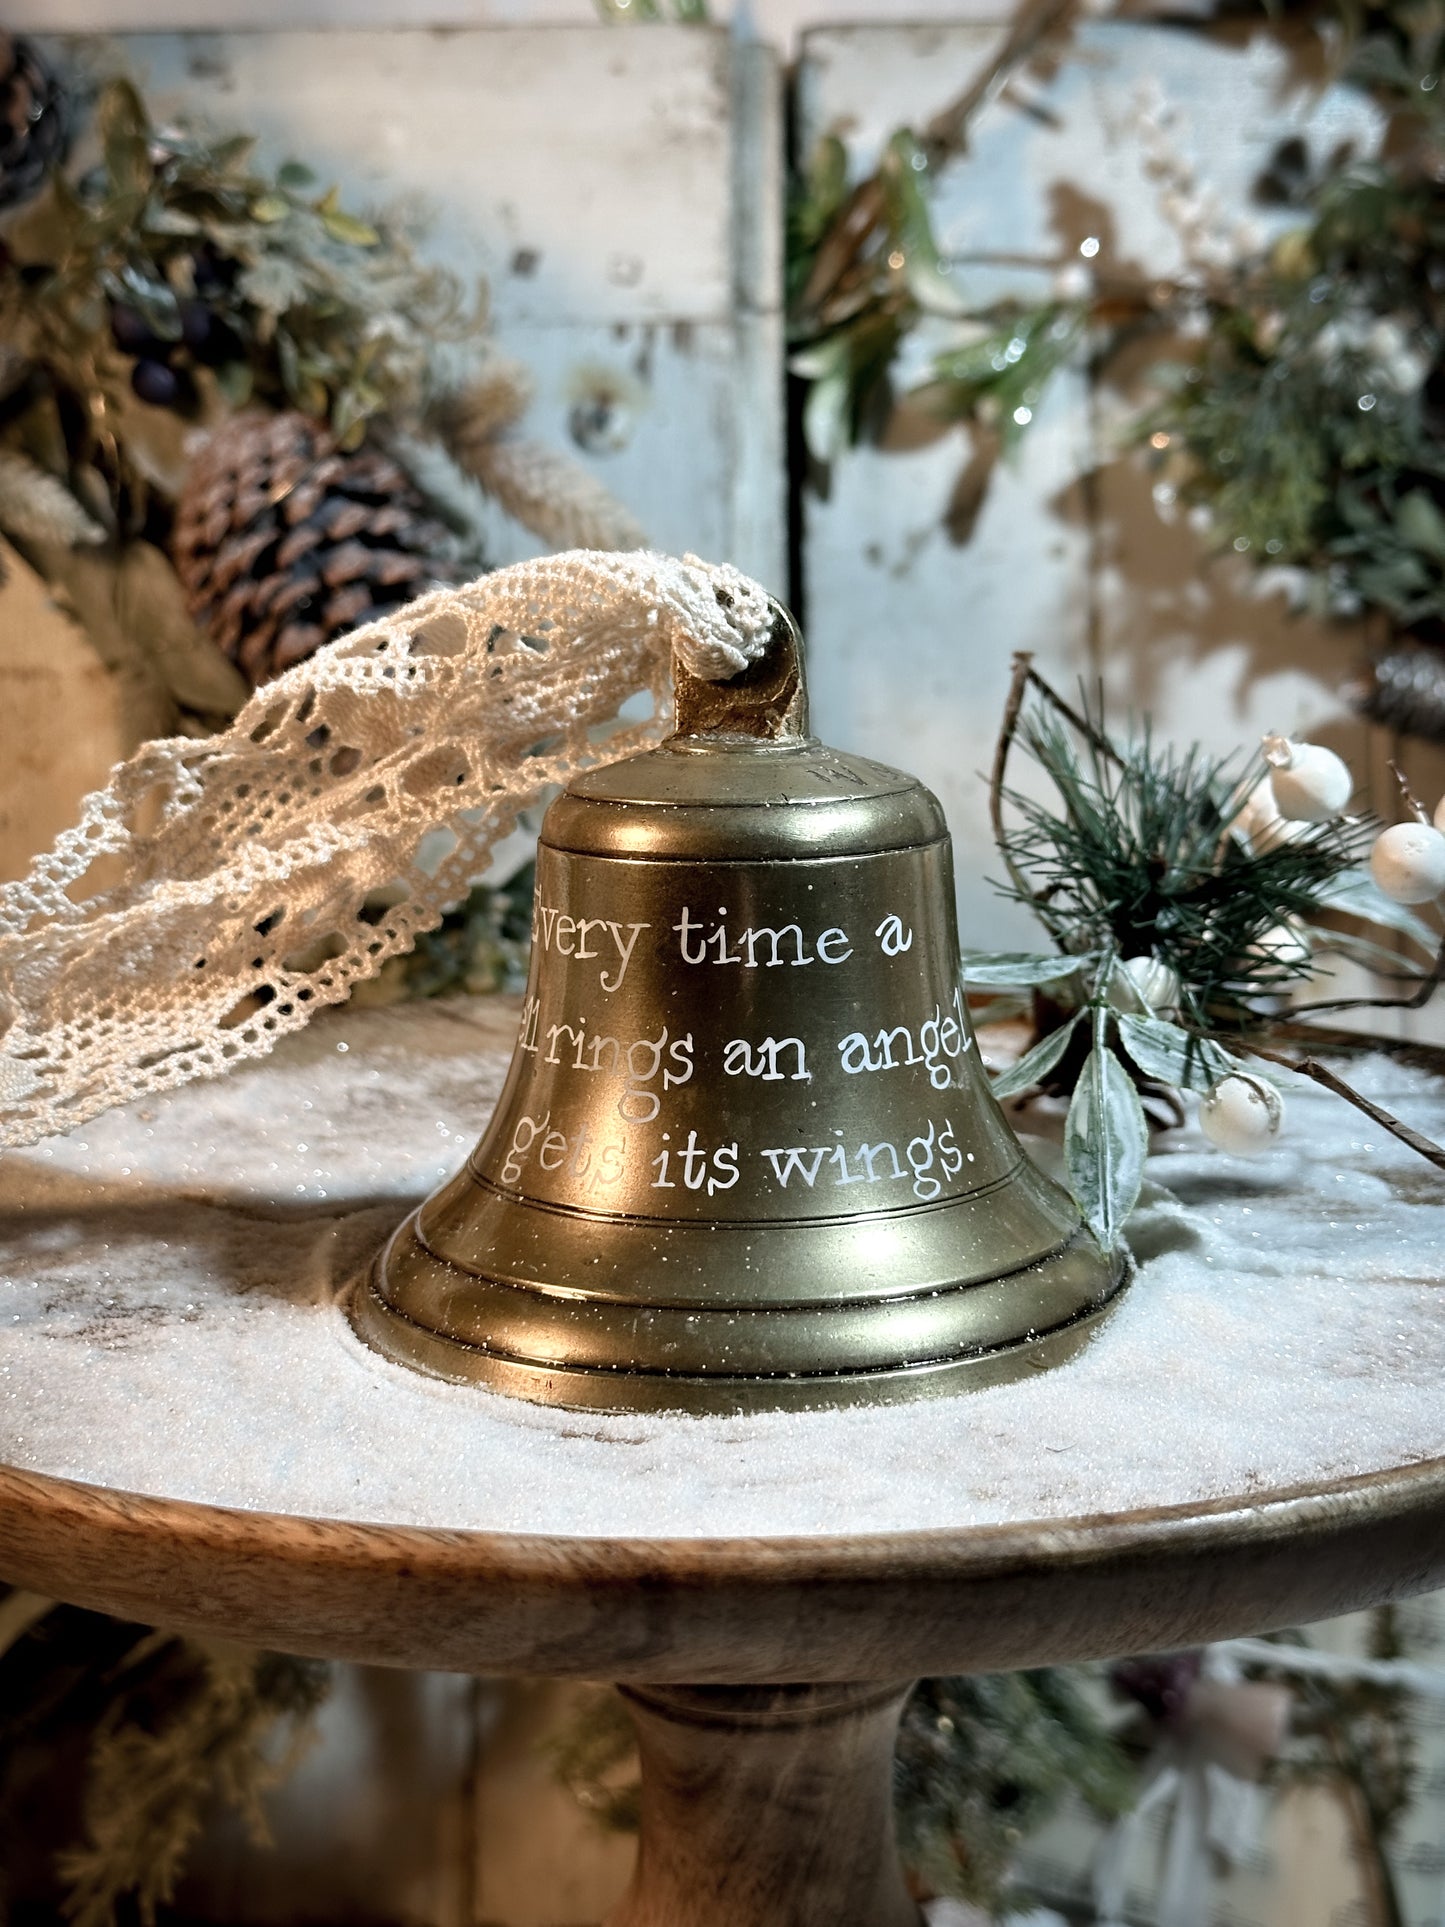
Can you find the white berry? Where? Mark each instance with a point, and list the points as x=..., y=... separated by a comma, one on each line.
x=1311, y=784
x=1259, y=822
x=1242, y=1115
x=1408, y=862
x=1145, y=983
x=1284, y=944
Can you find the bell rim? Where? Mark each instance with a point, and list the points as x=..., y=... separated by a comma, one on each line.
x=629, y=1386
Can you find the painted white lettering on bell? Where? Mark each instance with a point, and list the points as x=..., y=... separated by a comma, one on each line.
x=935, y=1150
x=742, y=1059
x=570, y=1151
x=761, y=946
x=717, y=1170
x=786, y=1163
x=638, y=1062
x=569, y=937
x=939, y=1039
x=523, y=1138
x=894, y=936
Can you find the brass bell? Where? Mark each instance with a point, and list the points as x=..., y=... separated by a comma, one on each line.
x=746, y=1155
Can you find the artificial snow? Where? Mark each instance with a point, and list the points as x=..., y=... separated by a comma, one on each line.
x=169, y=1326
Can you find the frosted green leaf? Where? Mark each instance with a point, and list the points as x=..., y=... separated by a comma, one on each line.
x=160, y=219
x=236, y=379
x=346, y=227
x=1035, y=1064
x=911, y=227
x=1422, y=524
x=1105, y=1143
x=1021, y=969
x=1357, y=892
x=275, y=283
x=825, y=417
x=1174, y=1055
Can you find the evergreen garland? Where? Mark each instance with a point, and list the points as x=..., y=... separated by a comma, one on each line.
x=983, y=1761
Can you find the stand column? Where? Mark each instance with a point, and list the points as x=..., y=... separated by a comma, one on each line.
x=766, y=1806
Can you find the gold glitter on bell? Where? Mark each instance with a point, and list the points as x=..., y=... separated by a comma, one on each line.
x=746, y=1155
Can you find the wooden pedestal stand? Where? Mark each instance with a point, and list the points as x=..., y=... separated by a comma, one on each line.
x=766, y=1802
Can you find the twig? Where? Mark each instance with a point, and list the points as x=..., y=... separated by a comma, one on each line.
x=1427, y=988
x=1095, y=737
x=1322, y=1074
x=1405, y=1050
x=947, y=133
x=945, y=136
x=1411, y=801
x=1026, y=677
x=1023, y=676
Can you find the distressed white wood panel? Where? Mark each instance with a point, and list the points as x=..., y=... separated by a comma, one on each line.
x=778, y=22
x=584, y=172
x=911, y=638
x=911, y=633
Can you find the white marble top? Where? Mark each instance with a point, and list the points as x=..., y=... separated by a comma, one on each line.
x=168, y=1325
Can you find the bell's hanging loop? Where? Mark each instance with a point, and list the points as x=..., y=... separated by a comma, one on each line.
x=746, y=1154
x=767, y=701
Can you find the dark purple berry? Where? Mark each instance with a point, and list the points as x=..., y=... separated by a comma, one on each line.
x=197, y=321
x=211, y=272
x=132, y=333
x=210, y=339
x=154, y=382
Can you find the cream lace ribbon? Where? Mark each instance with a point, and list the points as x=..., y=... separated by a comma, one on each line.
x=215, y=893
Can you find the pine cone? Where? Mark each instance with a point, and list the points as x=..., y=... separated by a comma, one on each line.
x=1404, y=688
x=284, y=541
x=33, y=120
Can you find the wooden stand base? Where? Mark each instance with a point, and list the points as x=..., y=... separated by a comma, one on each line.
x=766, y=1806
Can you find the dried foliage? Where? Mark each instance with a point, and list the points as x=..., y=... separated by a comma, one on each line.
x=483, y=945
x=178, y=292
x=37, y=507
x=1358, y=1738
x=180, y=273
